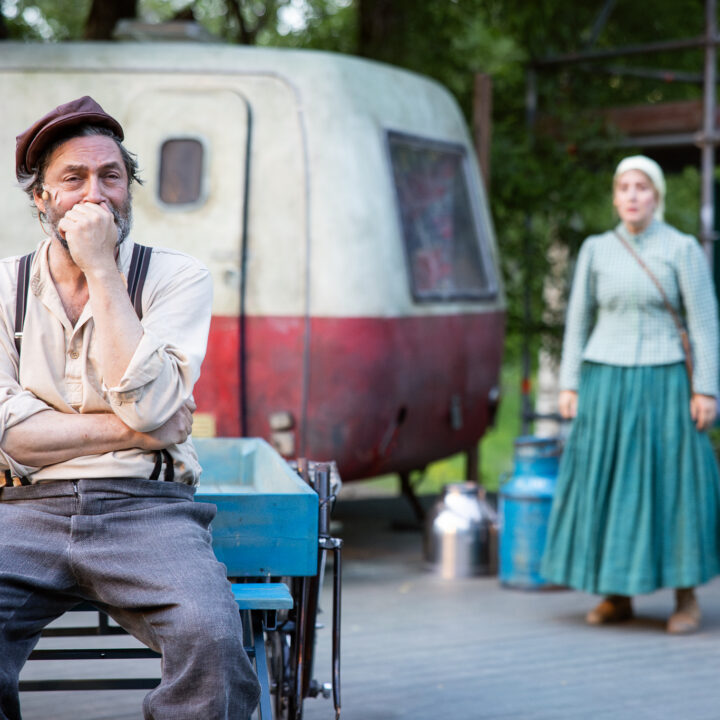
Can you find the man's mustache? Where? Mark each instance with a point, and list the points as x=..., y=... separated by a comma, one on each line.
x=122, y=217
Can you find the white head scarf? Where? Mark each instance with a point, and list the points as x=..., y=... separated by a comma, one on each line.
x=653, y=171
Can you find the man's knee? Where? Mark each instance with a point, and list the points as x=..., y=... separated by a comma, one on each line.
x=206, y=648
x=9, y=698
x=8, y=680
x=211, y=629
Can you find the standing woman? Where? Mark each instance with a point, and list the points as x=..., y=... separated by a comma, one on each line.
x=637, y=504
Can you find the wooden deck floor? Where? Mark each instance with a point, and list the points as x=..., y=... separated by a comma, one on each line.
x=419, y=648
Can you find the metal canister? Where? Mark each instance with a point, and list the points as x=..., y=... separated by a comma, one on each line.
x=461, y=533
x=525, y=501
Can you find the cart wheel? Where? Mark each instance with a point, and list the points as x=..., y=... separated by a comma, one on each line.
x=279, y=668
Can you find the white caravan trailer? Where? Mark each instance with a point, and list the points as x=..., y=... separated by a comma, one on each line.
x=358, y=311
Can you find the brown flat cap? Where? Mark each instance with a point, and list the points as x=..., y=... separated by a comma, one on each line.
x=83, y=111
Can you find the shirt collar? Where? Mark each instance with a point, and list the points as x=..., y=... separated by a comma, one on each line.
x=648, y=232
x=42, y=270
x=41, y=283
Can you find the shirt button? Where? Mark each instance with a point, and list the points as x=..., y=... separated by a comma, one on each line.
x=74, y=354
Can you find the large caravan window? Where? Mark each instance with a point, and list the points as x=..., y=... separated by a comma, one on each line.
x=181, y=171
x=447, y=253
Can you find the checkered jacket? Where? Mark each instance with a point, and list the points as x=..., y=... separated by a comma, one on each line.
x=616, y=315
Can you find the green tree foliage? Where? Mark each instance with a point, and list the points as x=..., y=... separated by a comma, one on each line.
x=318, y=25
x=44, y=20
x=554, y=187
x=550, y=184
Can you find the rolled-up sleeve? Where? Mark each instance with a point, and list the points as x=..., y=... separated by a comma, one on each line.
x=166, y=363
x=698, y=294
x=16, y=404
x=580, y=312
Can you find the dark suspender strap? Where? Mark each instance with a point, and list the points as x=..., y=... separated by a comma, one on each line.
x=21, y=296
x=9, y=479
x=136, y=275
x=136, y=280
x=155, y=474
x=139, y=264
x=169, y=466
x=169, y=474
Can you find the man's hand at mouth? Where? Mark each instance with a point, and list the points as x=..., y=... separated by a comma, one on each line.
x=91, y=234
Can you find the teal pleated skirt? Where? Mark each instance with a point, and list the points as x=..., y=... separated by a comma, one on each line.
x=637, y=500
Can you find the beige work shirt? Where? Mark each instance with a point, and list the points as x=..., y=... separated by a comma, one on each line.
x=59, y=367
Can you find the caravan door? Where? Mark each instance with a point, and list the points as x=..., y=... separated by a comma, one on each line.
x=193, y=148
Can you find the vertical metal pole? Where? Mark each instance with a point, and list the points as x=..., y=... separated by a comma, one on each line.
x=472, y=463
x=526, y=409
x=482, y=124
x=337, y=612
x=482, y=133
x=707, y=200
x=600, y=23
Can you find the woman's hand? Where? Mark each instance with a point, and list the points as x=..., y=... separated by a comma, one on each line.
x=703, y=409
x=567, y=403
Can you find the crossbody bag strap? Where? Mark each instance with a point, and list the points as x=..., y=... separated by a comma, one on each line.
x=676, y=318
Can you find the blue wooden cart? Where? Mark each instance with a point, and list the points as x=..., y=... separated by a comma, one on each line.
x=272, y=533
x=273, y=524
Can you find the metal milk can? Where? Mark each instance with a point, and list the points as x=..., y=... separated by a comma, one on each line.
x=525, y=501
x=461, y=533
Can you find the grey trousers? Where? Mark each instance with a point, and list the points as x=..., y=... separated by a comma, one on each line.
x=140, y=550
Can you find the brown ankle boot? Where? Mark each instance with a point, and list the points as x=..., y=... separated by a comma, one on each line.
x=613, y=609
x=686, y=618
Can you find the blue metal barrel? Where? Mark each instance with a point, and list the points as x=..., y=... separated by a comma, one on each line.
x=524, y=507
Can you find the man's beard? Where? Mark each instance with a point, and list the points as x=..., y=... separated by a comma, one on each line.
x=122, y=215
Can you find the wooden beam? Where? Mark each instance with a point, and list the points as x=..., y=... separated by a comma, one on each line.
x=669, y=117
x=681, y=118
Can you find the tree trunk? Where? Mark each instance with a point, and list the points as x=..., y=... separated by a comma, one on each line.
x=260, y=15
x=104, y=15
x=382, y=28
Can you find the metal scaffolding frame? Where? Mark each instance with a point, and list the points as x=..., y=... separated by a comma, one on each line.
x=706, y=137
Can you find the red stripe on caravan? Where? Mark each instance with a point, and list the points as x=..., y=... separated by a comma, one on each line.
x=394, y=394
x=385, y=394
x=217, y=392
x=273, y=370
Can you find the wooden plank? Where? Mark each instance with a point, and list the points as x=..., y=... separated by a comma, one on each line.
x=267, y=521
x=262, y=596
x=668, y=118
x=262, y=535
x=232, y=464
